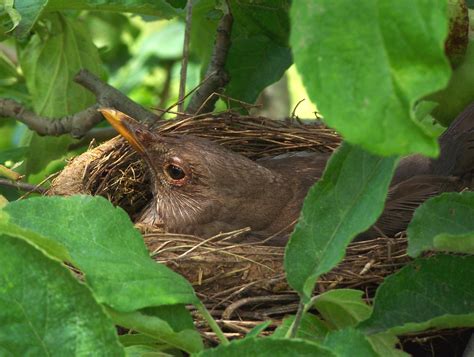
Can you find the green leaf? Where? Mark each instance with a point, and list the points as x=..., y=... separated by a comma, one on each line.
x=271, y=347
x=257, y=330
x=259, y=54
x=50, y=81
x=251, y=74
x=443, y=223
x=385, y=345
x=345, y=202
x=459, y=93
x=45, y=311
x=311, y=328
x=103, y=243
x=158, y=8
x=342, y=307
x=9, y=17
x=436, y=292
x=29, y=11
x=14, y=154
x=349, y=342
x=366, y=80
x=177, y=316
x=188, y=340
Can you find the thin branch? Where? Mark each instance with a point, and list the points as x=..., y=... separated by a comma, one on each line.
x=184, y=62
x=77, y=124
x=109, y=96
x=98, y=134
x=22, y=186
x=165, y=91
x=80, y=123
x=216, y=76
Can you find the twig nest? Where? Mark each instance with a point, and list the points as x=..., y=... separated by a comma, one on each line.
x=243, y=278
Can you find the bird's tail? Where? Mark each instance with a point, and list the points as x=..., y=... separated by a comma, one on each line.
x=457, y=147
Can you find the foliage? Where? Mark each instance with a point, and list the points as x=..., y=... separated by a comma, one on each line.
x=376, y=70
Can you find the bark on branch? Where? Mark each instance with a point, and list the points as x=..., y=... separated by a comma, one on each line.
x=80, y=123
x=216, y=76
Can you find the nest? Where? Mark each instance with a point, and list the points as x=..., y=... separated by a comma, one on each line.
x=241, y=284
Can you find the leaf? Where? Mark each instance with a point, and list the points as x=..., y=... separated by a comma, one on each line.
x=366, y=80
x=311, y=328
x=102, y=242
x=188, y=340
x=349, y=342
x=259, y=54
x=436, y=292
x=9, y=18
x=271, y=347
x=45, y=311
x=345, y=202
x=158, y=8
x=50, y=81
x=443, y=223
x=385, y=345
x=258, y=329
x=29, y=11
x=342, y=307
x=14, y=154
x=251, y=74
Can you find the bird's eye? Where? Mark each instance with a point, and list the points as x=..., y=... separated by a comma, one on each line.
x=175, y=172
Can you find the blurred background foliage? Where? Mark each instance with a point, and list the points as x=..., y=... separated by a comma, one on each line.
x=138, y=54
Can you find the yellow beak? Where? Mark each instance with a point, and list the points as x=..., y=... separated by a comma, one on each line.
x=124, y=125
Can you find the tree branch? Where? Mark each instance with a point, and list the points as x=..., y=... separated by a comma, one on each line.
x=184, y=62
x=216, y=76
x=22, y=186
x=109, y=96
x=80, y=123
x=77, y=124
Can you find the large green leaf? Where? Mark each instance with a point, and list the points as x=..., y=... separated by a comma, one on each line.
x=436, y=292
x=102, y=242
x=443, y=223
x=360, y=63
x=271, y=347
x=49, y=79
x=342, y=307
x=259, y=53
x=158, y=8
x=45, y=311
x=346, y=201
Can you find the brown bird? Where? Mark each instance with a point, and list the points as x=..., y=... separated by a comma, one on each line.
x=201, y=188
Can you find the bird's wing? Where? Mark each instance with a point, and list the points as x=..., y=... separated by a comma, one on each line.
x=404, y=198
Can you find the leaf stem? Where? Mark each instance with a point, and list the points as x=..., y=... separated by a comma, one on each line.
x=295, y=325
x=212, y=323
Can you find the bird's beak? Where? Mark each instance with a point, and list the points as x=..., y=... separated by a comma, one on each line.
x=134, y=132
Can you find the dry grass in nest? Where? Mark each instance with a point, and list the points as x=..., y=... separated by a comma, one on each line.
x=241, y=284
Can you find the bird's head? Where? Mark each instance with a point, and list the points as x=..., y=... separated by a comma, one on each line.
x=194, y=180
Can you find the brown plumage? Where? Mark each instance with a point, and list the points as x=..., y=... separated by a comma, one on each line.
x=202, y=188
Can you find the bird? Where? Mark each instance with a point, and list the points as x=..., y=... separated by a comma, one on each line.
x=203, y=189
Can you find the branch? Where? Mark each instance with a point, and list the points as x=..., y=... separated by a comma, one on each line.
x=184, y=62
x=99, y=135
x=80, y=123
x=165, y=91
x=77, y=124
x=216, y=76
x=22, y=186
x=109, y=96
